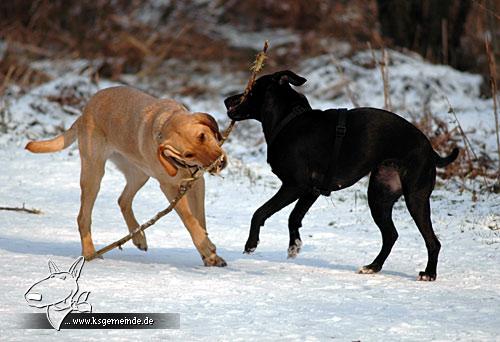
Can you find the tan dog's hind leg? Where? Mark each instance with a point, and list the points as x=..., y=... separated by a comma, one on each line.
x=198, y=234
x=135, y=181
x=92, y=154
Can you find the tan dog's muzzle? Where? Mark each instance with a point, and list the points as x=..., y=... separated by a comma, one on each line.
x=171, y=164
x=218, y=164
x=166, y=161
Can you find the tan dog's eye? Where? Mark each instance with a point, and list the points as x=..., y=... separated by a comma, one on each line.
x=201, y=137
x=188, y=155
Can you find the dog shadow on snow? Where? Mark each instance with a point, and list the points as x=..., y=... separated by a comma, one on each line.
x=186, y=259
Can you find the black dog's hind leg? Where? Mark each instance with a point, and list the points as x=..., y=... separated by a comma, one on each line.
x=295, y=222
x=419, y=207
x=383, y=191
x=281, y=199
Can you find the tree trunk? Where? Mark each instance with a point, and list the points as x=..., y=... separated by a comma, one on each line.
x=433, y=28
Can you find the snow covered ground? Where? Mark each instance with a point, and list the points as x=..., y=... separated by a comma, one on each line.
x=264, y=296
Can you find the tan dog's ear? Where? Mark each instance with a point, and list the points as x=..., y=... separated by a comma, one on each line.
x=208, y=120
x=167, y=164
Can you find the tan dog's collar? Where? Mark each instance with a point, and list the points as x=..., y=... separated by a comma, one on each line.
x=158, y=124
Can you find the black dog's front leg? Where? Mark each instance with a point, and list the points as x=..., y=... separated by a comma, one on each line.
x=281, y=199
x=295, y=222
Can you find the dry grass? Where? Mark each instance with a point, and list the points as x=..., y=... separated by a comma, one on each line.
x=109, y=30
x=104, y=30
x=470, y=164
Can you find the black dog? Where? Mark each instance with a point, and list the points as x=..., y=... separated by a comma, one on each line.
x=315, y=152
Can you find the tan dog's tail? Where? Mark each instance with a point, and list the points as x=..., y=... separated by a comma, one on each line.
x=56, y=144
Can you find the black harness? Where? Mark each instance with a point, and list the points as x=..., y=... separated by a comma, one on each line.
x=296, y=112
x=329, y=179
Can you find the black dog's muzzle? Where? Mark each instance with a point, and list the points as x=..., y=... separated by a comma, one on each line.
x=235, y=108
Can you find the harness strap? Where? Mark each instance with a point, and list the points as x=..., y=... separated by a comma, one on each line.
x=328, y=180
x=330, y=177
x=296, y=112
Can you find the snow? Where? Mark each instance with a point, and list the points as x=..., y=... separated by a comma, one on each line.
x=265, y=296
x=415, y=86
x=316, y=296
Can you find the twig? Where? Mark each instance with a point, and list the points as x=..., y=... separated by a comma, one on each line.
x=30, y=48
x=23, y=209
x=143, y=47
x=154, y=65
x=486, y=9
x=493, y=84
x=7, y=78
x=345, y=81
x=383, y=63
x=467, y=143
x=256, y=67
x=384, y=69
x=188, y=183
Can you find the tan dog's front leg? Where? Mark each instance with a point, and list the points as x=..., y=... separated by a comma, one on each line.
x=196, y=201
x=198, y=234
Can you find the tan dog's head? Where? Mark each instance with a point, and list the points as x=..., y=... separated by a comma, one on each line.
x=190, y=141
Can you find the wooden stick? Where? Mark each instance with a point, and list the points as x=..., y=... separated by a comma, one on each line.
x=255, y=68
x=182, y=191
x=23, y=209
x=188, y=183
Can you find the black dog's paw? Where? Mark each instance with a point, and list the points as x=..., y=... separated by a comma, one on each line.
x=250, y=247
x=423, y=276
x=369, y=269
x=294, y=249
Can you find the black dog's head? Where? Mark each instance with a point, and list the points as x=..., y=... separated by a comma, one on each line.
x=265, y=89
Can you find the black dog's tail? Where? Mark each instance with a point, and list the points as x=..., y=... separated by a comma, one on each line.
x=443, y=161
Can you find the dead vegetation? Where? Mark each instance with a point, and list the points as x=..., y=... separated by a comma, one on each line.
x=470, y=164
x=136, y=37
x=107, y=31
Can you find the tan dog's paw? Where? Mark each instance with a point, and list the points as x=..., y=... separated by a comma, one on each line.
x=88, y=255
x=88, y=249
x=140, y=242
x=214, y=260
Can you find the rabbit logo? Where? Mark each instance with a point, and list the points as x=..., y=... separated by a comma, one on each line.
x=58, y=292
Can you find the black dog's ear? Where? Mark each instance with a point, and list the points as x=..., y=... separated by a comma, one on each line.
x=288, y=76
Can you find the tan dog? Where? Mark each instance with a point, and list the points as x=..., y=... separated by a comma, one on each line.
x=144, y=136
